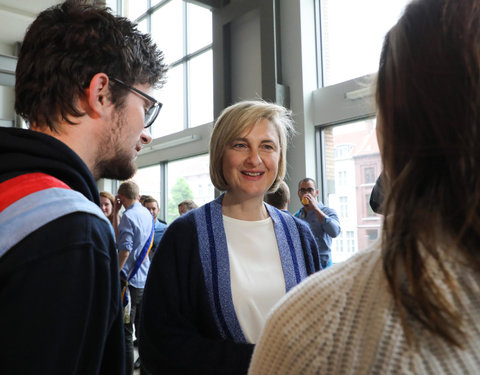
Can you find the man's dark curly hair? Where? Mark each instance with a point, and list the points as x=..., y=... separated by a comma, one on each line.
x=66, y=46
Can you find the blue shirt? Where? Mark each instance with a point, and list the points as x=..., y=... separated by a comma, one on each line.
x=322, y=231
x=159, y=231
x=133, y=232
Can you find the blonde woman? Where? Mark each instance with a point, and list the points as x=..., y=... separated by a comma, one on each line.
x=220, y=268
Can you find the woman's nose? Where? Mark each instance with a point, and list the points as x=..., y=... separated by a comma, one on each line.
x=254, y=158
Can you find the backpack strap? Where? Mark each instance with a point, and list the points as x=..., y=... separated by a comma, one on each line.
x=30, y=201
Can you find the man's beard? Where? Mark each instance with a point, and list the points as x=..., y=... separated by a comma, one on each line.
x=120, y=166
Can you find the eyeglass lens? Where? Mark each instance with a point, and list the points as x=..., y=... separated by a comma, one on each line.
x=307, y=190
x=152, y=114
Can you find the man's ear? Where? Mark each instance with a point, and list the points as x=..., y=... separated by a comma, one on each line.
x=98, y=95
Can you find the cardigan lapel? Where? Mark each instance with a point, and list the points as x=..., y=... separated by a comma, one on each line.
x=289, y=247
x=213, y=248
x=216, y=268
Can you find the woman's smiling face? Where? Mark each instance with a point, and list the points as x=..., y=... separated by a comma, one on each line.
x=250, y=162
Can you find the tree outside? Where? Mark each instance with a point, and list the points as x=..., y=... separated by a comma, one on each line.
x=179, y=192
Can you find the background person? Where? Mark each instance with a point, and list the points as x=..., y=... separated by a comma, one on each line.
x=411, y=307
x=323, y=220
x=134, y=233
x=151, y=204
x=59, y=289
x=220, y=268
x=279, y=198
x=107, y=201
x=185, y=206
x=377, y=195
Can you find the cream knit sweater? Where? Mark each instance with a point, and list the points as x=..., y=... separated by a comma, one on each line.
x=343, y=321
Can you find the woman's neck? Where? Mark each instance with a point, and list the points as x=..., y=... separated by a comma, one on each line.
x=251, y=209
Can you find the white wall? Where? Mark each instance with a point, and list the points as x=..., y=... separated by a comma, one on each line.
x=246, y=57
x=7, y=101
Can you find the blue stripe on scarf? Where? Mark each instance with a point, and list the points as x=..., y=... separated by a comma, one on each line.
x=289, y=246
x=292, y=249
x=213, y=264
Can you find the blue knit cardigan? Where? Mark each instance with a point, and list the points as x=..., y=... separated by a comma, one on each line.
x=189, y=324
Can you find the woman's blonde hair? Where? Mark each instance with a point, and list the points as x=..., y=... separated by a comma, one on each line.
x=239, y=118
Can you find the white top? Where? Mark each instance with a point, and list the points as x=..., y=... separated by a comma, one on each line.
x=343, y=321
x=255, y=270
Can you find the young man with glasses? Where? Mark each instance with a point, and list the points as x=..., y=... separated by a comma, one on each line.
x=83, y=82
x=323, y=221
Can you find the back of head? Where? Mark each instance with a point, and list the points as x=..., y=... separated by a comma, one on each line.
x=280, y=197
x=129, y=190
x=65, y=47
x=428, y=95
x=239, y=118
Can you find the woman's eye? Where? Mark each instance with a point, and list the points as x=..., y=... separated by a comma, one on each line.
x=268, y=146
x=239, y=145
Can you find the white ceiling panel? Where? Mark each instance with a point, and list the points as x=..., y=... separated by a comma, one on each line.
x=16, y=15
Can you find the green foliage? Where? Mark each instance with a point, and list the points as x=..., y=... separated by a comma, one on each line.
x=179, y=192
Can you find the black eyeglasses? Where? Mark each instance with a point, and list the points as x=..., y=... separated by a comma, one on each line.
x=152, y=112
x=307, y=190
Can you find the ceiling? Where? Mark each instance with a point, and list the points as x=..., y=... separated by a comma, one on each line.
x=16, y=15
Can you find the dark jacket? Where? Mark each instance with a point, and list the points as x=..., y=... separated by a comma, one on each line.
x=59, y=287
x=180, y=331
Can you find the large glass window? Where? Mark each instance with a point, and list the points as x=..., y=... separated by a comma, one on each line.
x=189, y=179
x=135, y=8
x=352, y=34
x=356, y=159
x=168, y=31
x=149, y=181
x=185, y=179
x=183, y=31
x=201, y=88
x=171, y=118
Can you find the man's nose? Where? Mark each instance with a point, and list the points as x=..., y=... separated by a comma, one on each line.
x=146, y=137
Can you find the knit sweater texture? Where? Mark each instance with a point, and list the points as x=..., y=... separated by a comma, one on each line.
x=343, y=320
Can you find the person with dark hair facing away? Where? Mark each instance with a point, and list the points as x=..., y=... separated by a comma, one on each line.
x=220, y=268
x=82, y=81
x=323, y=220
x=279, y=198
x=411, y=306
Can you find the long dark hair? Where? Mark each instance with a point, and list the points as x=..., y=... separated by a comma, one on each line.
x=428, y=97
